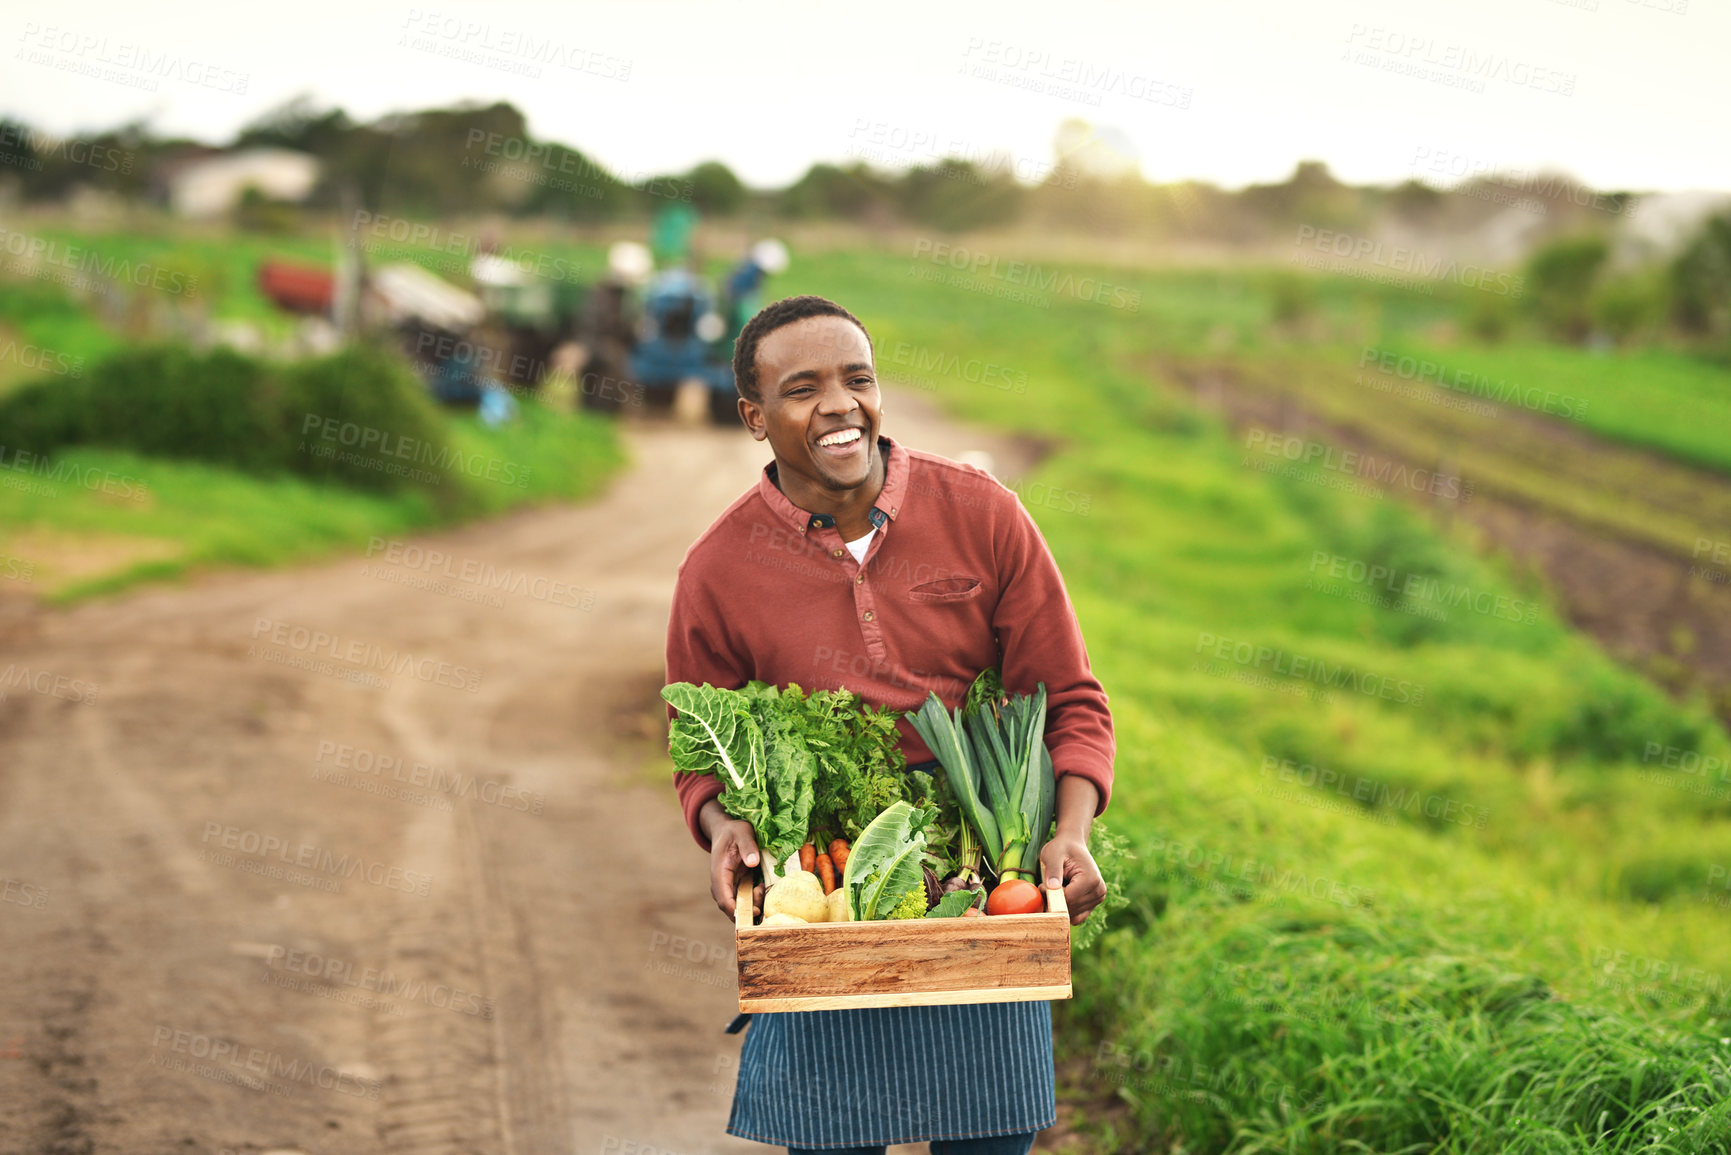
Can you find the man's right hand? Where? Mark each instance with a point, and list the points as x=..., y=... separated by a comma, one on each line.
x=733, y=855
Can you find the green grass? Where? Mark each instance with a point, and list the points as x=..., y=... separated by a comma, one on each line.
x=224, y=268
x=187, y=516
x=1615, y=488
x=1677, y=404
x=41, y=316
x=1401, y=979
x=226, y=265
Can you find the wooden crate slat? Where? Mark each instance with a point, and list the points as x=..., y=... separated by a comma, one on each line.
x=906, y=999
x=903, y=962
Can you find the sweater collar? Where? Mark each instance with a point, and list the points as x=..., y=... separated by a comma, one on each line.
x=883, y=511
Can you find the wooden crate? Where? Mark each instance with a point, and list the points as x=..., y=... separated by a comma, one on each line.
x=830, y=966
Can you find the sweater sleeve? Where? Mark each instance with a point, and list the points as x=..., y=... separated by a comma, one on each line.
x=698, y=653
x=1040, y=640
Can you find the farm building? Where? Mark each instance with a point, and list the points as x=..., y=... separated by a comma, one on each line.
x=212, y=186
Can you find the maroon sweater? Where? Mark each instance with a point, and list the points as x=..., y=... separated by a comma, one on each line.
x=957, y=578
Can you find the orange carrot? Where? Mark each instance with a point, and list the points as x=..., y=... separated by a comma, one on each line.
x=838, y=852
x=807, y=855
x=826, y=873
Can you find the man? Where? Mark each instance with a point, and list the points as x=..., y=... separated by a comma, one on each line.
x=858, y=563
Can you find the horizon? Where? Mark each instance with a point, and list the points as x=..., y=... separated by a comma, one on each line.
x=1567, y=87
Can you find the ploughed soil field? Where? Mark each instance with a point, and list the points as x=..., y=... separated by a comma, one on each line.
x=1624, y=539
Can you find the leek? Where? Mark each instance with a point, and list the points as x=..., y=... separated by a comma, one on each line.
x=994, y=754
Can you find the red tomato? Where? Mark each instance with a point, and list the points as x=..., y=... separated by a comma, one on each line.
x=1015, y=896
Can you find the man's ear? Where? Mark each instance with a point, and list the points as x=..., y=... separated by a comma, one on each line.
x=751, y=413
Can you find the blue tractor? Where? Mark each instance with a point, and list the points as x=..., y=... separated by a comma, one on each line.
x=686, y=334
x=678, y=340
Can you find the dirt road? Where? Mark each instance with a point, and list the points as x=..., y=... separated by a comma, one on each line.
x=376, y=855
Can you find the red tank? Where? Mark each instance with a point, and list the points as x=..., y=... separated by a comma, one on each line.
x=297, y=288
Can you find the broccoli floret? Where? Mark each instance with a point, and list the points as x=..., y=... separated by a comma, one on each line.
x=912, y=905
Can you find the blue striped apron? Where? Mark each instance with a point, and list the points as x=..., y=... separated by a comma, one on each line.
x=887, y=1075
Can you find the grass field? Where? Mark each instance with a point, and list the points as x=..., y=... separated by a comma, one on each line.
x=1450, y=908
x=1655, y=398
x=42, y=330
x=1613, y=486
x=94, y=521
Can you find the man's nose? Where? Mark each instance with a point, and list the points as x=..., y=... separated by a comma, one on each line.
x=837, y=399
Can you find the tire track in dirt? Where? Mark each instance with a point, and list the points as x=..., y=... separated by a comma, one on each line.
x=445, y=1093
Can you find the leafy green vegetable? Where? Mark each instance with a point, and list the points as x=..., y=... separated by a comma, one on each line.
x=950, y=840
x=987, y=690
x=860, y=762
x=789, y=768
x=715, y=733
x=1111, y=852
x=912, y=905
x=953, y=904
x=746, y=740
x=884, y=863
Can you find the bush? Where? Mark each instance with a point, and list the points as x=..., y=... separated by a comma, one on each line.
x=257, y=213
x=1701, y=281
x=1629, y=307
x=1563, y=275
x=166, y=401
x=1489, y=317
x=374, y=419
x=358, y=418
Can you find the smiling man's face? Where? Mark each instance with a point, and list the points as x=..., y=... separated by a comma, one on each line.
x=819, y=406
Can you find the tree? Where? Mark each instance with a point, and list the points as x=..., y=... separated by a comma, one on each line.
x=715, y=190
x=1701, y=281
x=1563, y=276
x=299, y=124
x=16, y=154
x=956, y=195
x=828, y=191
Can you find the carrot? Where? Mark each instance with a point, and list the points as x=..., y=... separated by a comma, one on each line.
x=807, y=854
x=826, y=873
x=838, y=852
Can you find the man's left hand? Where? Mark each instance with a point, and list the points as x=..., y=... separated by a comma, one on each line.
x=1066, y=859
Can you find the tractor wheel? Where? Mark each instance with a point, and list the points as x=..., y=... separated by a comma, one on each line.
x=724, y=409
x=658, y=399
x=600, y=400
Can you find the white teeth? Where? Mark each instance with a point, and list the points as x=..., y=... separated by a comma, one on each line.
x=842, y=437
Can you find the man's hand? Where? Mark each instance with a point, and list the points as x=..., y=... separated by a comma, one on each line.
x=1065, y=860
x=732, y=855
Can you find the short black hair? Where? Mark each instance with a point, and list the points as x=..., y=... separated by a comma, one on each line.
x=770, y=318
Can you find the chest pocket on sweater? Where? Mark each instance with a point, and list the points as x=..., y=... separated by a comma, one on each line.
x=945, y=590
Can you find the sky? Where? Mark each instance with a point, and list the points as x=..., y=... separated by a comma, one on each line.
x=1623, y=94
